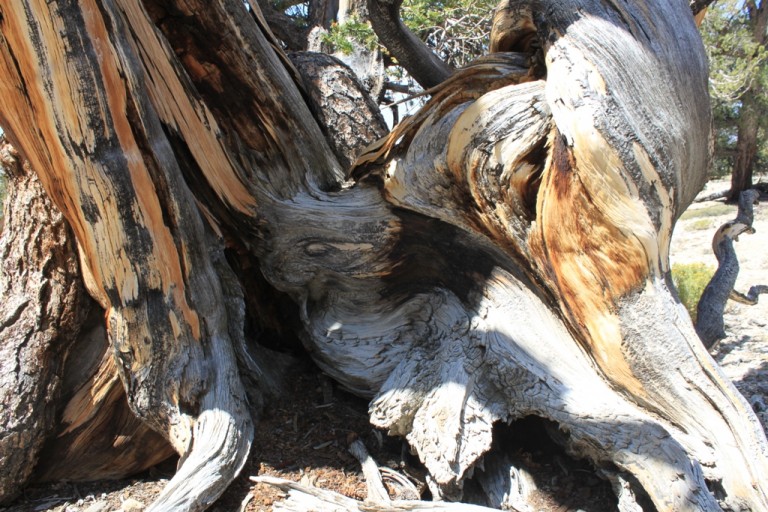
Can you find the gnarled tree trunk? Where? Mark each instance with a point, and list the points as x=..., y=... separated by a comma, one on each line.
x=40, y=315
x=501, y=254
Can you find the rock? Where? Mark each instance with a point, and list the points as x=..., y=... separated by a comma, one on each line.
x=99, y=506
x=132, y=505
x=757, y=403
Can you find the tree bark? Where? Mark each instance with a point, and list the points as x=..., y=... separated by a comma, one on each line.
x=746, y=148
x=40, y=315
x=421, y=63
x=350, y=117
x=710, y=325
x=750, y=114
x=69, y=418
x=502, y=254
x=103, y=156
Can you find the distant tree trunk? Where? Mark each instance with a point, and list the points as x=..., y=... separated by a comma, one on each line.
x=750, y=114
x=503, y=253
x=746, y=147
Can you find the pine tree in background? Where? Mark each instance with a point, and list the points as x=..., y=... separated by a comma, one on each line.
x=734, y=34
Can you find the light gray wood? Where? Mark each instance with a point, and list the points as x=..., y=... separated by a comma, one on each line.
x=377, y=493
x=302, y=498
x=503, y=253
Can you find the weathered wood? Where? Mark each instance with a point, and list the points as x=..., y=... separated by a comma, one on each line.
x=43, y=305
x=377, y=493
x=97, y=435
x=505, y=485
x=614, y=183
x=503, y=253
x=69, y=418
x=75, y=100
x=751, y=297
x=710, y=326
x=302, y=498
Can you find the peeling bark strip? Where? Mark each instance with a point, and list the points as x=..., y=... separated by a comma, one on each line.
x=503, y=253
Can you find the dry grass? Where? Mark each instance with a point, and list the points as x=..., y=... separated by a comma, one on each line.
x=714, y=210
x=690, y=280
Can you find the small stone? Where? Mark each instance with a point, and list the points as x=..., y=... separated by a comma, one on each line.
x=99, y=506
x=132, y=505
x=757, y=403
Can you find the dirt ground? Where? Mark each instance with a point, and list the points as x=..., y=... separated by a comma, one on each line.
x=305, y=437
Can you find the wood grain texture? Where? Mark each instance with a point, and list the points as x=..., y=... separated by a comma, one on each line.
x=105, y=161
x=620, y=168
x=43, y=304
x=503, y=253
x=97, y=435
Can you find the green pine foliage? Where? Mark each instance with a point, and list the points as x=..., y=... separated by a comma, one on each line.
x=342, y=36
x=457, y=30
x=738, y=67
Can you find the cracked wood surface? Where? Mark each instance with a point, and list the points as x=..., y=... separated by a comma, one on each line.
x=99, y=149
x=503, y=253
x=40, y=316
x=710, y=326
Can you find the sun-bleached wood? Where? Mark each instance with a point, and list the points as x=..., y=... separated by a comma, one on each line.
x=302, y=498
x=502, y=254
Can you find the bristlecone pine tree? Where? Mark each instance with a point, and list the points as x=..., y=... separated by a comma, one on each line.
x=503, y=253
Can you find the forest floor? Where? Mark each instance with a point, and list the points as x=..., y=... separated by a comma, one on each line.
x=305, y=436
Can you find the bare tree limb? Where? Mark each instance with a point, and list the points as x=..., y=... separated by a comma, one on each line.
x=377, y=493
x=411, y=53
x=302, y=498
x=284, y=27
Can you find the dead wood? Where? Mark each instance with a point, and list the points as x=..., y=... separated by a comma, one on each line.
x=710, y=325
x=504, y=253
x=41, y=312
